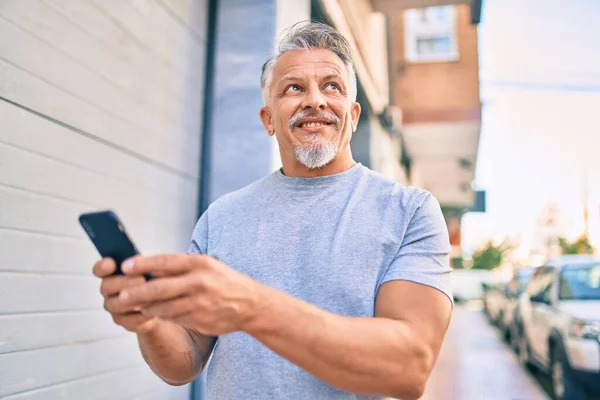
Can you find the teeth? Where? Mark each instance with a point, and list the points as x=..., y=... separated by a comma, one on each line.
x=311, y=124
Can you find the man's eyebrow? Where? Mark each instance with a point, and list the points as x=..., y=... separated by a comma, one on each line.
x=332, y=76
x=294, y=78
x=290, y=78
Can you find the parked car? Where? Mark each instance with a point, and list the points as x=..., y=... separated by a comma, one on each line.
x=559, y=325
x=494, y=298
x=494, y=294
x=513, y=289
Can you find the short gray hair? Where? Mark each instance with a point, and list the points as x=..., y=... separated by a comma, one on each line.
x=310, y=36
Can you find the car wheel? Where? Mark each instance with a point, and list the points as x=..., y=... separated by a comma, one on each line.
x=564, y=387
x=507, y=332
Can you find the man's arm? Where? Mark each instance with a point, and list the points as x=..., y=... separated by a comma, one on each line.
x=390, y=355
x=176, y=354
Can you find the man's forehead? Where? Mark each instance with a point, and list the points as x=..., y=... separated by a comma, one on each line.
x=324, y=62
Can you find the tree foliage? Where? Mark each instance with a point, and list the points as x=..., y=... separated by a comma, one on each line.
x=581, y=245
x=490, y=256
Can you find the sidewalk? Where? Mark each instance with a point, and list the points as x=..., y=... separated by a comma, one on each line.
x=475, y=364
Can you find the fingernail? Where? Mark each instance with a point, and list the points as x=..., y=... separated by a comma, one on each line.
x=127, y=265
x=124, y=296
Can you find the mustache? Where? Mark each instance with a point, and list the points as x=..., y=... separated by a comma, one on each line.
x=314, y=114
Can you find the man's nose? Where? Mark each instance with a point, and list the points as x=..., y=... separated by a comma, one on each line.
x=314, y=99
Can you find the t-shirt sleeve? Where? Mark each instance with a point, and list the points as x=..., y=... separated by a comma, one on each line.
x=424, y=255
x=199, y=242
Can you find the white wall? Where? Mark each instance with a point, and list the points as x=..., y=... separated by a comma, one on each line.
x=100, y=106
x=287, y=14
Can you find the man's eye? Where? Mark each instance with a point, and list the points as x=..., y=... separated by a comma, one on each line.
x=294, y=88
x=333, y=86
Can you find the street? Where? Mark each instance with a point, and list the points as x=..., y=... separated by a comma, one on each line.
x=475, y=364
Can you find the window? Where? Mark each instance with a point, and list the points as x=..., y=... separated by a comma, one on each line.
x=541, y=283
x=547, y=293
x=431, y=34
x=519, y=281
x=580, y=282
x=534, y=284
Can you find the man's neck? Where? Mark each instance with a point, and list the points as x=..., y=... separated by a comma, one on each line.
x=296, y=170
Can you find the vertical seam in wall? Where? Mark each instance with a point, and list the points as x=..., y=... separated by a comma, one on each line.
x=207, y=116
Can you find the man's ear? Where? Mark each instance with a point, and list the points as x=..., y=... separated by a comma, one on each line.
x=355, y=110
x=267, y=120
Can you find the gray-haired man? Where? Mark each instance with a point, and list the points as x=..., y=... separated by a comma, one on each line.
x=322, y=280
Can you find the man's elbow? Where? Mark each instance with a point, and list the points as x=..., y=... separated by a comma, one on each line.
x=415, y=373
x=178, y=379
x=410, y=392
x=176, y=382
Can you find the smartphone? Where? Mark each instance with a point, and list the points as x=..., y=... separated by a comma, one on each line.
x=107, y=232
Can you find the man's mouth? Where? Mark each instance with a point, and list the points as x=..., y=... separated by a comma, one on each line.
x=313, y=120
x=312, y=124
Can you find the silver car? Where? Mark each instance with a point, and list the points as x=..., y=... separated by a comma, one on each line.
x=559, y=318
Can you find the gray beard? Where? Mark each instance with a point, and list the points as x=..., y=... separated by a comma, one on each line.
x=316, y=156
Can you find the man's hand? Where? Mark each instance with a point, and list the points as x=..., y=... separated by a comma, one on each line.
x=194, y=291
x=129, y=317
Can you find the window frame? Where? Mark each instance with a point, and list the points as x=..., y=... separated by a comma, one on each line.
x=415, y=29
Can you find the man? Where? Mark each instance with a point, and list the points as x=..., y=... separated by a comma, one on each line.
x=321, y=281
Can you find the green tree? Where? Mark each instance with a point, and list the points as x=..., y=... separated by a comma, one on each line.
x=457, y=263
x=490, y=256
x=581, y=245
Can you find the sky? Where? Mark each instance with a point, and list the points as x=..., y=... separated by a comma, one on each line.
x=540, y=138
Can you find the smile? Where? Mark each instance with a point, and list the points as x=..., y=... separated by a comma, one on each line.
x=312, y=124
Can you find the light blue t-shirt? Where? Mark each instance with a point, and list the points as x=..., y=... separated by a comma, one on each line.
x=331, y=241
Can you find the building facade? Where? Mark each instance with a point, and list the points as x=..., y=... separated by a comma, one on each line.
x=435, y=75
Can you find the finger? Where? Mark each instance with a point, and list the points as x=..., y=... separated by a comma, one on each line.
x=162, y=264
x=171, y=308
x=112, y=285
x=114, y=305
x=157, y=290
x=131, y=321
x=104, y=267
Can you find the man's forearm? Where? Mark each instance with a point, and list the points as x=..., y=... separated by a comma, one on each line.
x=371, y=356
x=172, y=353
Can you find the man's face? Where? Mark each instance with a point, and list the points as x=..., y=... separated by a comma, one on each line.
x=310, y=109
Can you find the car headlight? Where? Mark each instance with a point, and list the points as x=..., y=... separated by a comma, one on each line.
x=585, y=329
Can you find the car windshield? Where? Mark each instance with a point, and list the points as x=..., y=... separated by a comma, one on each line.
x=580, y=282
x=524, y=276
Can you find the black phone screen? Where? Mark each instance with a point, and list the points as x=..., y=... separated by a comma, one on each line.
x=109, y=236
